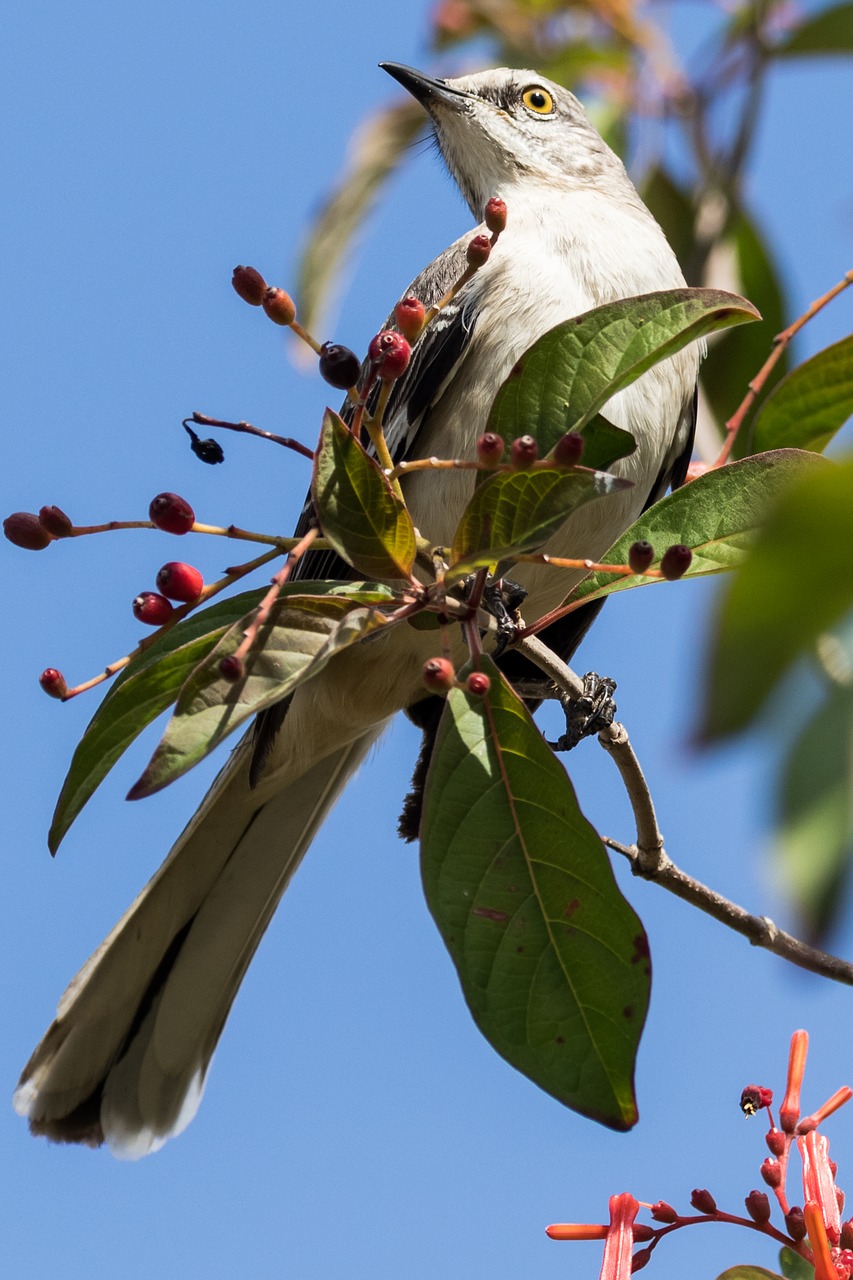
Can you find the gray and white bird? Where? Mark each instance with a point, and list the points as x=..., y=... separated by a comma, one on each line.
x=126, y=1058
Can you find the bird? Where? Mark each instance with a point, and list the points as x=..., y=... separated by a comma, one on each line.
x=126, y=1058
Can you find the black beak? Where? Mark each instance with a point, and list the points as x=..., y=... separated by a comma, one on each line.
x=426, y=89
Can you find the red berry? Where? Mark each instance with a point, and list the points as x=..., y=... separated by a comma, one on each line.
x=339, y=366
x=180, y=581
x=250, y=285
x=495, y=215
x=490, y=449
x=478, y=251
x=568, y=450
x=279, y=306
x=525, y=451
x=171, y=514
x=438, y=675
x=703, y=1201
x=232, y=669
x=676, y=561
x=57, y=523
x=640, y=556
x=26, y=531
x=409, y=314
x=389, y=353
x=151, y=608
x=53, y=682
x=478, y=684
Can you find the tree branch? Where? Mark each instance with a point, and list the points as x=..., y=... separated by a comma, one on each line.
x=649, y=859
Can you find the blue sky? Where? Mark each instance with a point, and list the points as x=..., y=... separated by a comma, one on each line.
x=355, y=1124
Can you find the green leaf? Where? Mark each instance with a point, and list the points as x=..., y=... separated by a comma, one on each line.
x=672, y=207
x=517, y=511
x=359, y=513
x=796, y=582
x=716, y=515
x=376, y=149
x=553, y=962
x=150, y=684
x=794, y=1266
x=573, y=370
x=734, y=358
x=810, y=404
x=300, y=636
x=815, y=807
x=830, y=31
x=745, y=1272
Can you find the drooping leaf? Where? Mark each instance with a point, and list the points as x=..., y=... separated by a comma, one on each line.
x=827, y=32
x=359, y=513
x=518, y=511
x=376, y=150
x=810, y=404
x=796, y=582
x=716, y=515
x=150, y=684
x=573, y=370
x=300, y=636
x=815, y=815
x=733, y=359
x=553, y=962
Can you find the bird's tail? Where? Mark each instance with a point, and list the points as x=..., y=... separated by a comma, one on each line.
x=126, y=1058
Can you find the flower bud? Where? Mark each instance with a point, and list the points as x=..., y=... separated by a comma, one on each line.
x=568, y=450
x=478, y=684
x=53, y=682
x=640, y=555
x=409, y=315
x=478, y=251
x=775, y=1140
x=676, y=561
x=524, y=452
x=179, y=581
x=151, y=608
x=846, y=1239
x=494, y=215
x=703, y=1201
x=758, y=1207
x=171, y=514
x=249, y=284
x=771, y=1172
x=490, y=449
x=639, y=1259
x=25, y=530
x=279, y=306
x=57, y=523
x=663, y=1212
x=795, y=1224
x=389, y=353
x=438, y=675
x=232, y=669
x=339, y=366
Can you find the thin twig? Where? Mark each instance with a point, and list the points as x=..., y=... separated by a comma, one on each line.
x=246, y=428
x=649, y=859
x=264, y=608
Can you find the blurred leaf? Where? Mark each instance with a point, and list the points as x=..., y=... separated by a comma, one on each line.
x=375, y=152
x=830, y=31
x=734, y=359
x=793, y=1266
x=815, y=807
x=574, y=369
x=553, y=962
x=151, y=684
x=811, y=404
x=673, y=209
x=796, y=582
x=358, y=511
x=517, y=511
x=300, y=636
x=717, y=515
x=745, y=1272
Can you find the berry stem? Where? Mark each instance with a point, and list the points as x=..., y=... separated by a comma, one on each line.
x=589, y=566
x=246, y=428
x=306, y=337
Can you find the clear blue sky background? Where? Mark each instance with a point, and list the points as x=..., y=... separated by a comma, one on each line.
x=355, y=1124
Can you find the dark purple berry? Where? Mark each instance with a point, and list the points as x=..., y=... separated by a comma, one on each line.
x=676, y=561
x=232, y=669
x=568, y=450
x=339, y=366
x=640, y=555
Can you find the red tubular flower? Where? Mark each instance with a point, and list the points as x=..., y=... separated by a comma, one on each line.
x=576, y=1231
x=824, y=1267
x=819, y=1182
x=789, y=1112
x=838, y=1099
x=619, y=1244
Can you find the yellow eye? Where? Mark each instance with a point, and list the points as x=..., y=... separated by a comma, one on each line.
x=538, y=100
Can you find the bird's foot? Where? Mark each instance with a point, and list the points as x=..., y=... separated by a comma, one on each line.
x=593, y=711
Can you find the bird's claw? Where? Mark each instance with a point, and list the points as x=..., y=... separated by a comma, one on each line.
x=593, y=711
